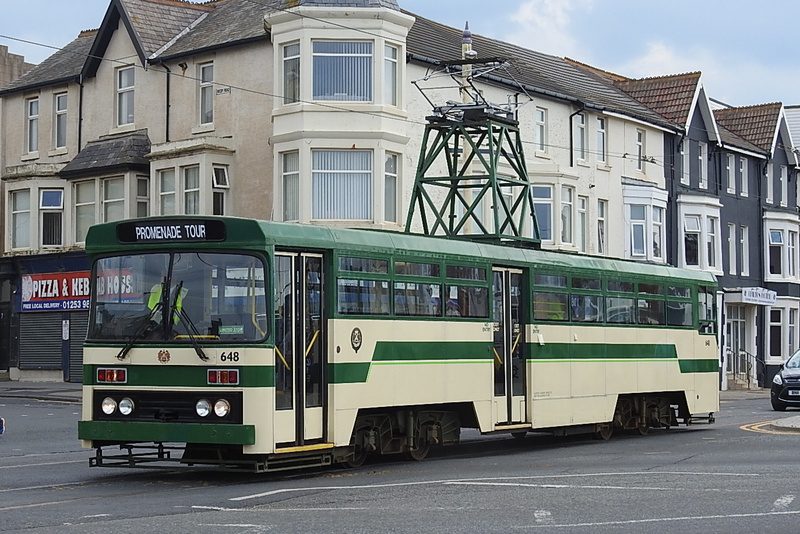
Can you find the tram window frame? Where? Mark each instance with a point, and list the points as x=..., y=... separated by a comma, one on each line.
x=707, y=300
x=552, y=315
x=360, y=309
x=435, y=287
x=625, y=286
x=587, y=283
x=550, y=289
x=382, y=264
x=466, y=277
x=469, y=273
x=347, y=275
x=435, y=266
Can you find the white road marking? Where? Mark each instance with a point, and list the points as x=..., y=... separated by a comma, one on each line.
x=42, y=464
x=561, y=486
x=782, y=503
x=95, y=515
x=30, y=488
x=488, y=479
x=216, y=508
x=21, y=506
x=543, y=516
x=660, y=520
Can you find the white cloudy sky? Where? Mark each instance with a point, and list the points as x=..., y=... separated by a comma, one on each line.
x=745, y=49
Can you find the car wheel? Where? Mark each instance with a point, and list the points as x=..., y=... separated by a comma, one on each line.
x=778, y=406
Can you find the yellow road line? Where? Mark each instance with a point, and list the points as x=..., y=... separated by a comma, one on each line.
x=764, y=428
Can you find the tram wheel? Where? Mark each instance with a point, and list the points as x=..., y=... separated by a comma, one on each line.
x=360, y=453
x=605, y=431
x=643, y=429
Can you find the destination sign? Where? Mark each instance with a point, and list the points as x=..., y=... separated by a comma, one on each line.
x=171, y=231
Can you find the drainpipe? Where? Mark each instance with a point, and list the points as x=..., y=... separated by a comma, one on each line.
x=572, y=134
x=80, y=111
x=167, y=105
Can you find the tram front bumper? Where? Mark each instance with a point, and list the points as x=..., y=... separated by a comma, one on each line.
x=134, y=431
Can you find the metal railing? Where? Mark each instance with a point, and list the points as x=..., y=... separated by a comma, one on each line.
x=741, y=364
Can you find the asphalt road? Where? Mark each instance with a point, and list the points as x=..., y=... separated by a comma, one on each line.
x=718, y=478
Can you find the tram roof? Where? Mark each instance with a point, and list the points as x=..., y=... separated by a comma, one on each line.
x=253, y=234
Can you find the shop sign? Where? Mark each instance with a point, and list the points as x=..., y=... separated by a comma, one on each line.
x=758, y=295
x=55, y=291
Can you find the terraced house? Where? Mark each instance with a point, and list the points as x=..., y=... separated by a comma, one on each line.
x=315, y=113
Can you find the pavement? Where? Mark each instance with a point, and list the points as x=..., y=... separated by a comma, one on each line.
x=71, y=393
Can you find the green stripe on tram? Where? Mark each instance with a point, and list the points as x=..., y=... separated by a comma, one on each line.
x=397, y=351
x=182, y=375
x=700, y=366
x=601, y=351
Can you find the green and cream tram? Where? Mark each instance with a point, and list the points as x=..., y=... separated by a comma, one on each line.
x=266, y=346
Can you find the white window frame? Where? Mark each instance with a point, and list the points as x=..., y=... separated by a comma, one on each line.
x=744, y=249
x=206, y=87
x=583, y=224
x=732, y=244
x=60, y=119
x=142, y=195
x=695, y=228
x=775, y=239
x=770, y=184
x=705, y=210
x=784, y=185
x=712, y=242
x=112, y=202
x=90, y=184
x=657, y=233
x=547, y=201
x=32, y=125
x=289, y=55
x=744, y=190
x=59, y=208
x=220, y=184
x=391, y=187
x=602, y=143
x=567, y=215
x=791, y=252
x=291, y=207
x=778, y=323
x=580, y=136
x=703, y=162
x=391, y=70
x=18, y=240
x=638, y=225
x=166, y=193
x=186, y=190
x=602, y=229
x=122, y=94
x=685, y=162
x=730, y=173
x=641, y=149
x=320, y=174
x=540, y=130
x=369, y=64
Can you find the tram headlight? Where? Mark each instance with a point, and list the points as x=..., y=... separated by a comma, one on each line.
x=222, y=408
x=778, y=380
x=108, y=406
x=203, y=407
x=126, y=406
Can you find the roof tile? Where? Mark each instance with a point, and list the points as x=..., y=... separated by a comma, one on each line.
x=756, y=124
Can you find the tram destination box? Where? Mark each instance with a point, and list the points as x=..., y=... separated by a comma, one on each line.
x=170, y=231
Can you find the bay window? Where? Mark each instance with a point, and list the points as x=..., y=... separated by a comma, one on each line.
x=220, y=183
x=390, y=70
x=142, y=196
x=113, y=199
x=291, y=73
x=51, y=206
x=567, y=206
x=638, y=223
x=390, y=187
x=342, y=71
x=658, y=232
x=711, y=242
x=543, y=207
x=191, y=190
x=166, y=192
x=84, y=194
x=20, y=218
x=691, y=240
x=341, y=184
x=602, y=210
x=290, y=162
x=775, y=252
x=583, y=203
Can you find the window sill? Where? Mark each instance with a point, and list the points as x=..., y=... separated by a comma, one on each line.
x=744, y=195
x=731, y=192
x=57, y=152
x=126, y=128
x=582, y=163
x=30, y=156
x=540, y=154
x=203, y=128
x=605, y=167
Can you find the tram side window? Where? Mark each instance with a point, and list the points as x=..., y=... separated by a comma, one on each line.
x=550, y=306
x=620, y=310
x=679, y=313
x=650, y=311
x=363, y=297
x=620, y=286
x=550, y=280
x=363, y=265
x=651, y=289
x=586, y=308
x=467, y=301
x=707, y=310
x=409, y=268
x=466, y=273
x=420, y=300
x=585, y=283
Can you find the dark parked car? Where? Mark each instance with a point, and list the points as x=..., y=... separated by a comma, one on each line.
x=786, y=384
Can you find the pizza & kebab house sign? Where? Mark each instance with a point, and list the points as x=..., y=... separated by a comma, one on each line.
x=55, y=291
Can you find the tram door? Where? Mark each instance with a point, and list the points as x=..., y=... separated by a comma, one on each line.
x=509, y=347
x=299, y=349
